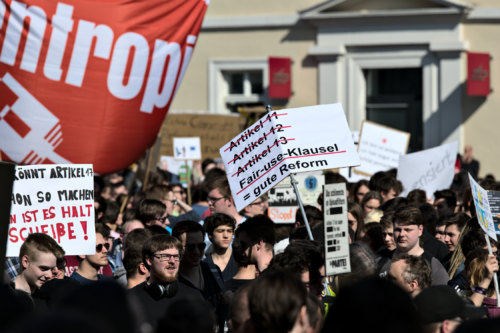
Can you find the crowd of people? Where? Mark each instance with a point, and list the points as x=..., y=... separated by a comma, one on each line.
x=169, y=262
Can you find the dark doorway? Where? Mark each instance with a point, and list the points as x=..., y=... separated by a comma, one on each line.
x=394, y=99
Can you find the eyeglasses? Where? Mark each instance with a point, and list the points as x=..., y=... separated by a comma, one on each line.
x=161, y=219
x=99, y=247
x=257, y=203
x=192, y=247
x=167, y=257
x=213, y=200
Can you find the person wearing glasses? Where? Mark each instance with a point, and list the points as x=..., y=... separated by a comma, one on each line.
x=88, y=269
x=258, y=207
x=162, y=256
x=220, y=199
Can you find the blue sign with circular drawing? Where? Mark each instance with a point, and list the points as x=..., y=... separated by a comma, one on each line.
x=311, y=183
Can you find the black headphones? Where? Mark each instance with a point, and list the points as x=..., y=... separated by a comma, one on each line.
x=159, y=290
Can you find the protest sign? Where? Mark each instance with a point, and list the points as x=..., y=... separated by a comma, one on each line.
x=379, y=148
x=337, y=258
x=104, y=70
x=283, y=203
x=483, y=211
x=283, y=142
x=494, y=201
x=213, y=130
x=187, y=148
x=310, y=185
x=57, y=200
x=430, y=170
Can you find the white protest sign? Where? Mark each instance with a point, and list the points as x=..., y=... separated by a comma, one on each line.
x=337, y=259
x=430, y=170
x=283, y=203
x=187, y=148
x=379, y=147
x=286, y=141
x=483, y=211
x=310, y=185
x=57, y=200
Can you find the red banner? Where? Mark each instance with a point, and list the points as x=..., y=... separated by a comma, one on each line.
x=478, y=74
x=280, y=78
x=90, y=81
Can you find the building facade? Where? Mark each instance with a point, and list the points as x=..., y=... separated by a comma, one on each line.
x=398, y=63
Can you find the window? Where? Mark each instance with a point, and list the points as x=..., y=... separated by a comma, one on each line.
x=237, y=83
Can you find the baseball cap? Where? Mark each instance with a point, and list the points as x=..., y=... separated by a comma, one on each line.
x=438, y=303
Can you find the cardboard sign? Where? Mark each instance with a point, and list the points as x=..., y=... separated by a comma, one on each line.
x=483, y=211
x=283, y=142
x=213, y=130
x=379, y=148
x=430, y=170
x=57, y=200
x=187, y=148
x=81, y=81
x=337, y=259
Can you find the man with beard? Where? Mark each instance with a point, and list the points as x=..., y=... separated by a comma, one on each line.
x=88, y=269
x=162, y=255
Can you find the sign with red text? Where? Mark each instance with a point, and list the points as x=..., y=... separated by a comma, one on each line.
x=90, y=81
x=283, y=142
x=379, y=148
x=283, y=202
x=429, y=170
x=57, y=200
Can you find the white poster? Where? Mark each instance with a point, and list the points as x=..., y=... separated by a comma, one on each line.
x=283, y=142
x=57, y=200
x=379, y=148
x=187, y=148
x=430, y=170
x=337, y=259
x=283, y=203
x=483, y=211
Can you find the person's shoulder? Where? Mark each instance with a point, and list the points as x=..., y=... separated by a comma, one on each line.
x=188, y=291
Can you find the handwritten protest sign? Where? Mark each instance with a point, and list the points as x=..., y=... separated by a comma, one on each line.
x=57, y=200
x=429, y=170
x=187, y=148
x=284, y=142
x=379, y=148
x=483, y=211
x=337, y=258
x=213, y=131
